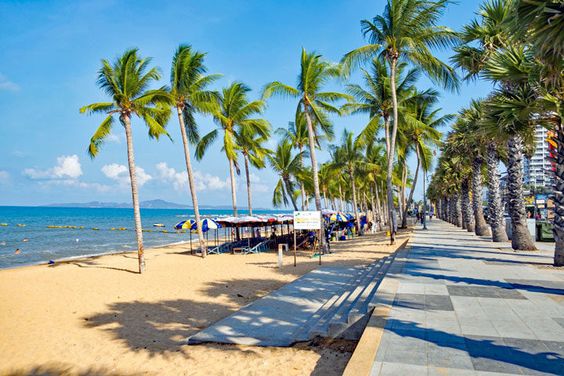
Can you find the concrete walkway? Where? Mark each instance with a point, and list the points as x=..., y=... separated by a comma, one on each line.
x=466, y=306
x=276, y=319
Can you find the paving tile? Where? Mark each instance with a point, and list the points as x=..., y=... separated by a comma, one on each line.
x=395, y=369
x=513, y=329
x=438, y=303
x=406, y=355
x=436, y=289
x=376, y=367
x=546, y=329
x=477, y=327
x=486, y=291
x=559, y=321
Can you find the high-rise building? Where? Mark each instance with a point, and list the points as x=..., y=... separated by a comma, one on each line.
x=538, y=168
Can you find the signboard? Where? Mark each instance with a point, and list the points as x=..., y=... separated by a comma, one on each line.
x=307, y=220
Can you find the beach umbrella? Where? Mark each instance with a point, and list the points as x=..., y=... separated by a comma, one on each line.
x=338, y=217
x=209, y=224
x=189, y=224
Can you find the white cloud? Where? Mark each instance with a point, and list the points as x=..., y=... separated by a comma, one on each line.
x=115, y=138
x=4, y=177
x=179, y=179
x=120, y=174
x=67, y=167
x=66, y=173
x=6, y=84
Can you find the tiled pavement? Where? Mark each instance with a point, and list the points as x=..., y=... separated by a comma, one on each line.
x=467, y=306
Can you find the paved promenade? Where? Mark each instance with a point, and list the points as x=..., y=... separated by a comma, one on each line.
x=467, y=306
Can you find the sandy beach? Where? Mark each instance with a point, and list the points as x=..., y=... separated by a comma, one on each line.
x=98, y=316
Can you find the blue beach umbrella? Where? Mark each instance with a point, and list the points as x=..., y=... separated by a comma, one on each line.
x=209, y=224
x=189, y=224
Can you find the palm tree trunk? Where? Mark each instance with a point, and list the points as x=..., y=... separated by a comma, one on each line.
x=481, y=227
x=325, y=197
x=233, y=189
x=458, y=211
x=378, y=204
x=467, y=212
x=191, y=184
x=558, y=224
x=391, y=151
x=355, y=206
x=520, y=238
x=410, y=199
x=126, y=121
x=341, y=198
x=495, y=207
x=288, y=189
x=310, y=134
x=247, y=176
x=302, y=187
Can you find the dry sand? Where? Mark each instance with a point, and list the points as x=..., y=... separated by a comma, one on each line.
x=98, y=316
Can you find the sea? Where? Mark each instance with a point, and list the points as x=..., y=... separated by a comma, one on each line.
x=52, y=233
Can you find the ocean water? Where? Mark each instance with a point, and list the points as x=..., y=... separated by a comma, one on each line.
x=38, y=243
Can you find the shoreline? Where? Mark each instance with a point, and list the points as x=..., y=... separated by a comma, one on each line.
x=90, y=256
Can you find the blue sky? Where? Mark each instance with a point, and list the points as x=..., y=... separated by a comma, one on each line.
x=51, y=53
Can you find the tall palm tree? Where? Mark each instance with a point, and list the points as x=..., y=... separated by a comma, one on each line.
x=254, y=153
x=188, y=89
x=298, y=135
x=419, y=129
x=127, y=81
x=288, y=167
x=232, y=112
x=349, y=158
x=406, y=31
x=314, y=103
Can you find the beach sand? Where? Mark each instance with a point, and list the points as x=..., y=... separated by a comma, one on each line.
x=98, y=316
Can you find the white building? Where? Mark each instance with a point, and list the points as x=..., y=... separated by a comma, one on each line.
x=538, y=168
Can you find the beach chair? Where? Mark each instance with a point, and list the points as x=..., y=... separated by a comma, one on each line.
x=260, y=247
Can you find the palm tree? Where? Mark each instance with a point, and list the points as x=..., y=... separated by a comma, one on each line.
x=348, y=158
x=288, y=167
x=251, y=145
x=232, y=112
x=405, y=32
x=127, y=81
x=314, y=103
x=419, y=129
x=298, y=135
x=512, y=109
x=188, y=83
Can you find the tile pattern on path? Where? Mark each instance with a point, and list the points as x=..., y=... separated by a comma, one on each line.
x=467, y=306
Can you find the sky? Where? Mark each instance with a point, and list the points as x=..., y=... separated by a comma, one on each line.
x=50, y=56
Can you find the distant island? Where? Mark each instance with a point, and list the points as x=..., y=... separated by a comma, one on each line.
x=150, y=204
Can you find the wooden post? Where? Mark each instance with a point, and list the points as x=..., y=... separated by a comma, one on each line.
x=295, y=245
x=319, y=247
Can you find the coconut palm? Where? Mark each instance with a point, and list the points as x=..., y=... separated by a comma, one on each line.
x=127, y=81
x=254, y=153
x=232, y=111
x=419, y=130
x=188, y=89
x=349, y=158
x=288, y=167
x=406, y=31
x=315, y=105
x=298, y=135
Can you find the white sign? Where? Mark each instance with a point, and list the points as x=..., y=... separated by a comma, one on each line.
x=307, y=220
